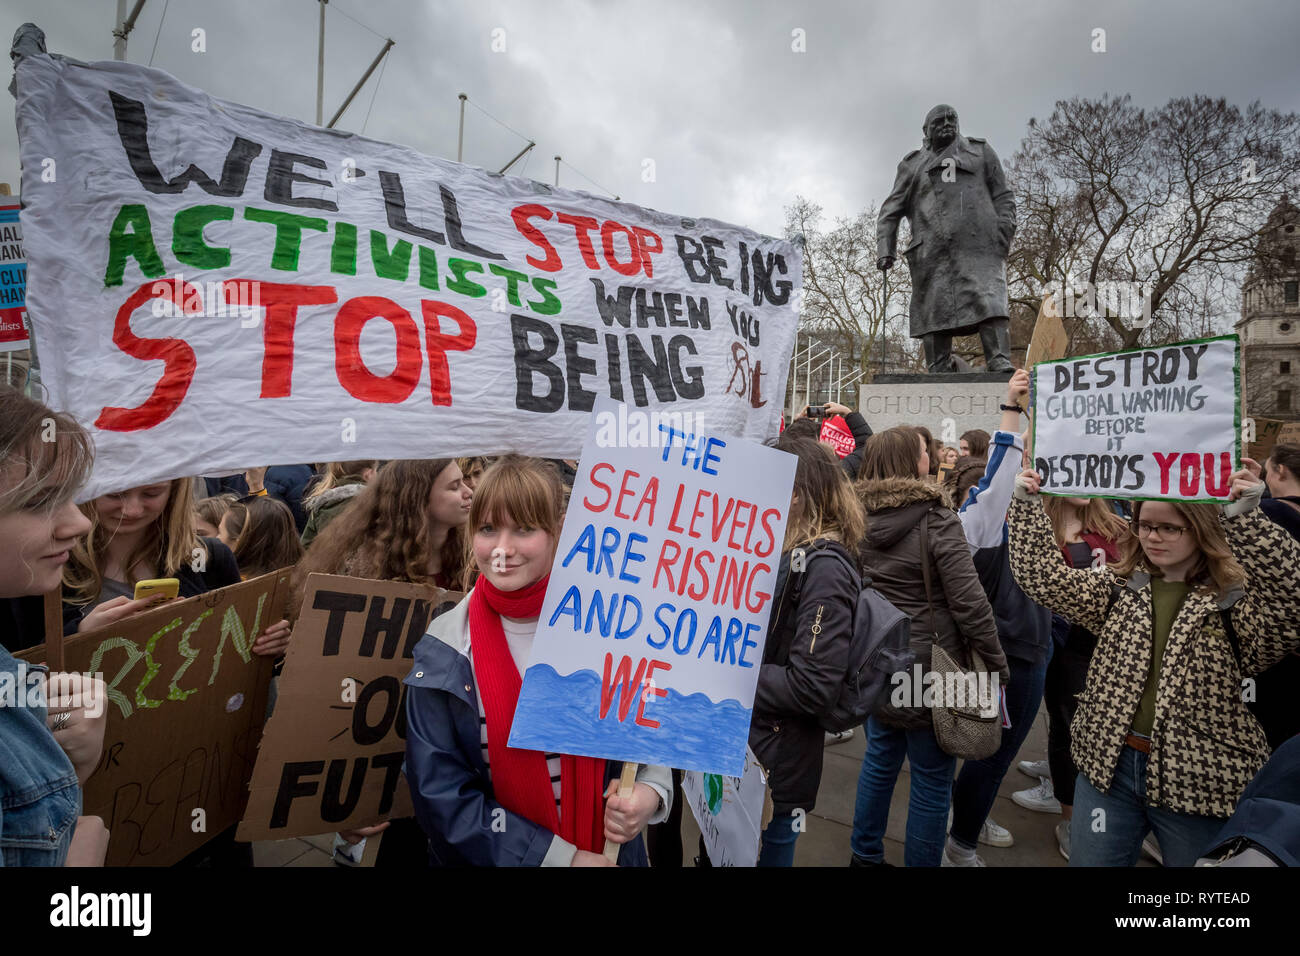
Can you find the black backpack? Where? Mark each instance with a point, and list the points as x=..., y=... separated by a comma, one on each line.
x=879, y=648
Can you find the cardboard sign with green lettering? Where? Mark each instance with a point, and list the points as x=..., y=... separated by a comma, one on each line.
x=186, y=703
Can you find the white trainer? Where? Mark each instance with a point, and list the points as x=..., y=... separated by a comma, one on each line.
x=348, y=854
x=837, y=738
x=990, y=833
x=1034, y=769
x=993, y=835
x=1040, y=798
x=972, y=860
x=1063, y=838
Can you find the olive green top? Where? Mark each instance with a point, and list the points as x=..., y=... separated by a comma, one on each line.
x=1166, y=599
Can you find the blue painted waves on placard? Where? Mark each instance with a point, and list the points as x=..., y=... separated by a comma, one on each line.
x=562, y=715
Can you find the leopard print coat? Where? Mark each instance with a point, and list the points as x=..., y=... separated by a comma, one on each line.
x=1205, y=745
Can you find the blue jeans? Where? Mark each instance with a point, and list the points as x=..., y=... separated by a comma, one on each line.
x=927, y=805
x=977, y=784
x=778, y=841
x=1108, y=828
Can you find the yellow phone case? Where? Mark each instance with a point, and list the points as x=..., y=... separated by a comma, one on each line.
x=167, y=587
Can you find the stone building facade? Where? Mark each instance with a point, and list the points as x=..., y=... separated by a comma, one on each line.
x=1270, y=320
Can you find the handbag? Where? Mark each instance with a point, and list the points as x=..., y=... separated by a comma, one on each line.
x=973, y=730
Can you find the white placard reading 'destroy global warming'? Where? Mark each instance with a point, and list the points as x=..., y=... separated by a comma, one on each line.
x=1146, y=423
x=651, y=634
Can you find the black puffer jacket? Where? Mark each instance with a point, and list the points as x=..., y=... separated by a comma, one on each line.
x=891, y=556
x=804, y=661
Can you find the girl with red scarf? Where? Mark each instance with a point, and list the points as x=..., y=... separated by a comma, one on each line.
x=481, y=802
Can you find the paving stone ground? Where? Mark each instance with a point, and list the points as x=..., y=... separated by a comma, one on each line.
x=826, y=841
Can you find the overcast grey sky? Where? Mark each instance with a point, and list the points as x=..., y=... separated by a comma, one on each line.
x=736, y=122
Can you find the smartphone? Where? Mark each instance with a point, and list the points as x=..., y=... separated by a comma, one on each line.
x=167, y=587
x=816, y=411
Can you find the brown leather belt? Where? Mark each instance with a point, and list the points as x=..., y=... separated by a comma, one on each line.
x=1138, y=743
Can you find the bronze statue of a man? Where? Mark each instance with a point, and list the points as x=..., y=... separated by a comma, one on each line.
x=963, y=216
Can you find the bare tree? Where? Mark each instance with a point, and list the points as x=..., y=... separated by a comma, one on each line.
x=1167, y=200
x=848, y=303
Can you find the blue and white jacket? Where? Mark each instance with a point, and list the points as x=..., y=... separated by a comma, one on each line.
x=1024, y=628
x=449, y=781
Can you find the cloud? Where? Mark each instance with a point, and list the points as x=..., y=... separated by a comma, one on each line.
x=736, y=122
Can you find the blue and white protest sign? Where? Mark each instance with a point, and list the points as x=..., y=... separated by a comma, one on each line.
x=651, y=635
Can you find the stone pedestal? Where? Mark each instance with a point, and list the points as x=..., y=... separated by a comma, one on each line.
x=946, y=404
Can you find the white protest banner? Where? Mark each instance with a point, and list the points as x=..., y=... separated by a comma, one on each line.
x=652, y=630
x=212, y=287
x=1146, y=423
x=730, y=812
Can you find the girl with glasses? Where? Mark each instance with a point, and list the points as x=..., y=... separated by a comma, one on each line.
x=1202, y=596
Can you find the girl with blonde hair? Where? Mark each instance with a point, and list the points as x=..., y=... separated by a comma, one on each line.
x=142, y=533
x=1089, y=534
x=1202, y=596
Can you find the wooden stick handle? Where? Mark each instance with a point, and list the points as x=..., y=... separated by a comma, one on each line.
x=625, y=784
x=54, y=629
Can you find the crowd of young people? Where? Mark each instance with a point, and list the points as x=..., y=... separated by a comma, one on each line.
x=1135, y=630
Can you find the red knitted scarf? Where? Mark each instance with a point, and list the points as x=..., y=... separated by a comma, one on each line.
x=521, y=781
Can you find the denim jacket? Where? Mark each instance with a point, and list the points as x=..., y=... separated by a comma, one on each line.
x=40, y=798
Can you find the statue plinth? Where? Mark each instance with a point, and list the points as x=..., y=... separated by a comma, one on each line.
x=947, y=403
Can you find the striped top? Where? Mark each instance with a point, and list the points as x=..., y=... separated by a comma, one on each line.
x=519, y=637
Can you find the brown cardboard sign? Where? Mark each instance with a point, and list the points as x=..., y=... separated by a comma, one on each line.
x=1048, y=343
x=1049, y=340
x=331, y=758
x=1268, y=432
x=186, y=703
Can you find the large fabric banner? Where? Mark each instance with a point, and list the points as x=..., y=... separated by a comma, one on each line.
x=212, y=288
x=651, y=634
x=1160, y=422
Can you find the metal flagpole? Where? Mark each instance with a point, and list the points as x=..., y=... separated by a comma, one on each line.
x=794, y=377
x=807, y=378
x=320, y=68
x=518, y=156
x=460, y=136
x=388, y=45
x=123, y=26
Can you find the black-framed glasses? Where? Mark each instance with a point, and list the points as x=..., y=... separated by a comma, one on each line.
x=1168, y=532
